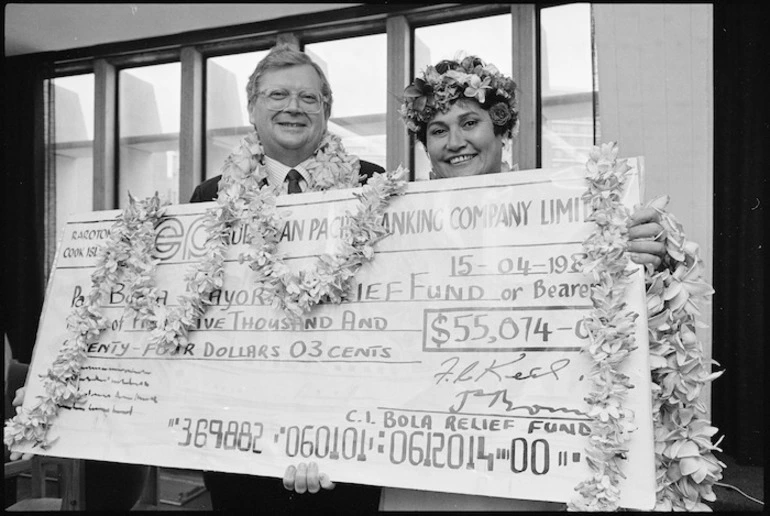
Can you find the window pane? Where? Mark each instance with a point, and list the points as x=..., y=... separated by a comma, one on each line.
x=489, y=38
x=357, y=71
x=567, y=85
x=227, y=117
x=73, y=146
x=149, y=100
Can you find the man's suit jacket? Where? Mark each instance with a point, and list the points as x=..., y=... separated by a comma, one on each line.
x=207, y=190
x=266, y=495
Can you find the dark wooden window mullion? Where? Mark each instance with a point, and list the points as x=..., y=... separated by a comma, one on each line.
x=191, y=134
x=525, y=59
x=288, y=38
x=105, y=176
x=399, y=62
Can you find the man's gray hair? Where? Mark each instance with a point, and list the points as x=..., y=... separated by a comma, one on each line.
x=284, y=56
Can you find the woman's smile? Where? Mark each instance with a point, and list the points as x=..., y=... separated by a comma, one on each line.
x=462, y=142
x=458, y=160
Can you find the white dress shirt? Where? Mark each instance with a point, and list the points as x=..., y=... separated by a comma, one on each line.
x=277, y=171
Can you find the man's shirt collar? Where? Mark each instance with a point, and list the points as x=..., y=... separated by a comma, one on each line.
x=277, y=171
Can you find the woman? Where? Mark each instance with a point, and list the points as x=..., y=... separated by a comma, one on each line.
x=463, y=112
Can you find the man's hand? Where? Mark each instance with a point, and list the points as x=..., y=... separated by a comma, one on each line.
x=305, y=477
x=646, y=237
x=18, y=400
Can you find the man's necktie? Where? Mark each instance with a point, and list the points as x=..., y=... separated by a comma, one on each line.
x=293, y=178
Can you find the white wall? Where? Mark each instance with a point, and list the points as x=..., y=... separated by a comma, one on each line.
x=656, y=100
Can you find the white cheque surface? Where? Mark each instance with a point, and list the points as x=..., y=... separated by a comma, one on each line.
x=454, y=366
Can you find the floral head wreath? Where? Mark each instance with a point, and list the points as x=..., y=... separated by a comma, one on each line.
x=471, y=78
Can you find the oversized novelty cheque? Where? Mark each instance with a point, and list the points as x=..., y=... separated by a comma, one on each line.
x=454, y=365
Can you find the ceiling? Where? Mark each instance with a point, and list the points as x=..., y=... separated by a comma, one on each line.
x=32, y=28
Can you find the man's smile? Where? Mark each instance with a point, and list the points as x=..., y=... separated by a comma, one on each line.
x=292, y=124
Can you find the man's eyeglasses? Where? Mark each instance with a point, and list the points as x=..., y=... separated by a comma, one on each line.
x=278, y=99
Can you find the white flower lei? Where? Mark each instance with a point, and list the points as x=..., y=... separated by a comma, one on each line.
x=126, y=257
x=686, y=466
x=243, y=199
x=240, y=198
x=611, y=332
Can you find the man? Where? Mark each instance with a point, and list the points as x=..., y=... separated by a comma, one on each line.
x=290, y=136
x=289, y=100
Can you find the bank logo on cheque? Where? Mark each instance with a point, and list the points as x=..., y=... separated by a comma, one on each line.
x=178, y=241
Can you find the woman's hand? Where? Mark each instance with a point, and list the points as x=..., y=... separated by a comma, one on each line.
x=305, y=477
x=18, y=400
x=646, y=237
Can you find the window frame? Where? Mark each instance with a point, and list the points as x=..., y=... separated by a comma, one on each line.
x=192, y=49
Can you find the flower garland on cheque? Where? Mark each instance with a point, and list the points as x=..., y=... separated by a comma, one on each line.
x=126, y=257
x=244, y=198
x=686, y=468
